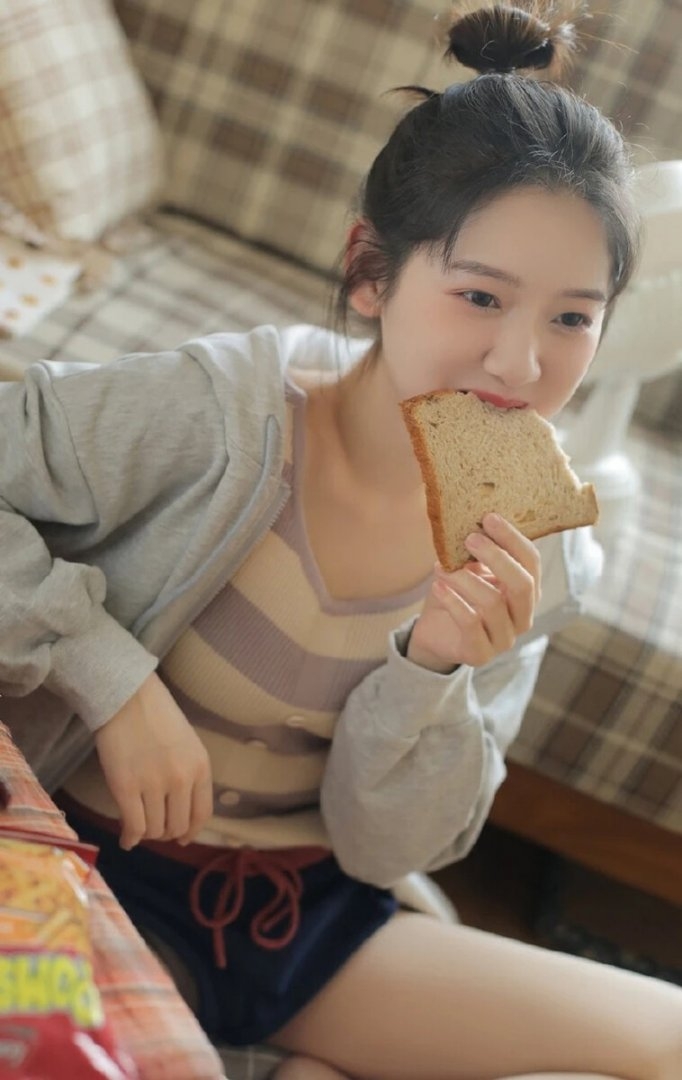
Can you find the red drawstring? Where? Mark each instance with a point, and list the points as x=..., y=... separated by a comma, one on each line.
x=280, y=865
x=238, y=865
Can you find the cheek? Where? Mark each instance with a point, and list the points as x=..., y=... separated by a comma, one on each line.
x=565, y=378
x=584, y=355
x=578, y=356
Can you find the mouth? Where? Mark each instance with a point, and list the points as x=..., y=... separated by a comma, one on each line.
x=497, y=401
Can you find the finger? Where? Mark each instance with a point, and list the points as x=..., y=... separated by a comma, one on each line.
x=154, y=802
x=467, y=621
x=477, y=568
x=521, y=549
x=490, y=606
x=201, y=808
x=514, y=582
x=178, y=812
x=133, y=822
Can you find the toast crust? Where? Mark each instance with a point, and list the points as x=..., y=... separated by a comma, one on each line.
x=409, y=408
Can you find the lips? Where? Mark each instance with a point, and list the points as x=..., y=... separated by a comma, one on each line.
x=499, y=402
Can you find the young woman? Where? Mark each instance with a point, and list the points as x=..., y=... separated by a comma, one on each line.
x=219, y=559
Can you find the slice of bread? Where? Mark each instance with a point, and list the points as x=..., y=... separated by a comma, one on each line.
x=476, y=458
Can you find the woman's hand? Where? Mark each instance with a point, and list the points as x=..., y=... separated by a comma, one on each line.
x=476, y=613
x=156, y=768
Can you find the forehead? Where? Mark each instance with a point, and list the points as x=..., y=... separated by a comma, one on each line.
x=552, y=237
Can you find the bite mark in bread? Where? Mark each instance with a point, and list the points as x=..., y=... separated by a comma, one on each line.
x=476, y=458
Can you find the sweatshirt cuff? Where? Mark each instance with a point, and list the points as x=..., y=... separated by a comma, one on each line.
x=418, y=695
x=97, y=671
x=401, y=641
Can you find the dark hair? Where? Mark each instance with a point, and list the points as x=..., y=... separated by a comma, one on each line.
x=458, y=150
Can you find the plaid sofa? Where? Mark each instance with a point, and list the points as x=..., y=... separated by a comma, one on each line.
x=269, y=115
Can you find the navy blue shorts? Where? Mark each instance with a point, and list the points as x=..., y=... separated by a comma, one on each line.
x=261, y=988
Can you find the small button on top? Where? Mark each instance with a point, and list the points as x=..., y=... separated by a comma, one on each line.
x=295, y=721
x=229, y=798
x=257, y=744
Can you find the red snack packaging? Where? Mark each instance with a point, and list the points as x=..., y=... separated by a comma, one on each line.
x=51, y=1022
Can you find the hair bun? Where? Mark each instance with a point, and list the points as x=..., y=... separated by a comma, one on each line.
x=507, y=38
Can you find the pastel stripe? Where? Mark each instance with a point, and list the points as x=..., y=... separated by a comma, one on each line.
x=277, y=583
x=264, y=653
x=245, y=767
x=277, y=737
x=208, y=678
x=264, y=671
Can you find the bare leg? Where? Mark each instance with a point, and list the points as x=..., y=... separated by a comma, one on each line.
x=300, y=1068
x=427, y=1000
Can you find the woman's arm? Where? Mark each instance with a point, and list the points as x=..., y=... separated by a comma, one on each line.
x=54, y=629
x=417, y=758
x=81, y=457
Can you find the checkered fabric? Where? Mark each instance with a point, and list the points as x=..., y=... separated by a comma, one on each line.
x=630, y=66
x=80, y=147
x=189, y=280
x=606, y=716
x=274, y=112
x=148, y=1017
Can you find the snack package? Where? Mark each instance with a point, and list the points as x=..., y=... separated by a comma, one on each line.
x=51, y=1022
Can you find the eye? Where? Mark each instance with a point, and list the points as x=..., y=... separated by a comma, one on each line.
x=573, y=320
x=479, y=298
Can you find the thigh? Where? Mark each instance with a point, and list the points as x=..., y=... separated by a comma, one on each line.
x=442, y=1002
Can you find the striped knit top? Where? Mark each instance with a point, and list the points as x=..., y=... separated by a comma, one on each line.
x=263, y=672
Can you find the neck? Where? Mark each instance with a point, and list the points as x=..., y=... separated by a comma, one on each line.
x=372, y=433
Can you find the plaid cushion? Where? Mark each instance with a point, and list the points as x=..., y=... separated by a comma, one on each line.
x=273, y=113
x=148, y=1017
x=631, y=67
x=79, y=144
x=606, y=716
x=190, y=280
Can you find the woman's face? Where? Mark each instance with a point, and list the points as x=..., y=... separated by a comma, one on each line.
x=516, y=317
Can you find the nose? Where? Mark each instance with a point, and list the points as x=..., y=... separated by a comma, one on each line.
x=514, y=357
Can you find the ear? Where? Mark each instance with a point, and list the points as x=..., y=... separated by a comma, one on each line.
x=365, y=300
x=362, y=253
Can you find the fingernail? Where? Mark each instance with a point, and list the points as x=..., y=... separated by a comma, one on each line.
x=475, y=540
x=492, y=520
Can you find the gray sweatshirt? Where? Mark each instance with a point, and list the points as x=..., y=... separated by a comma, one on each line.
x=129, y=495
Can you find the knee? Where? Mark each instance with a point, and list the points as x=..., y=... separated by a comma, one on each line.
x=304, y=1068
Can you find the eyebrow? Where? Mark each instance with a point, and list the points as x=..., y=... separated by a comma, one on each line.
x=482, y=270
